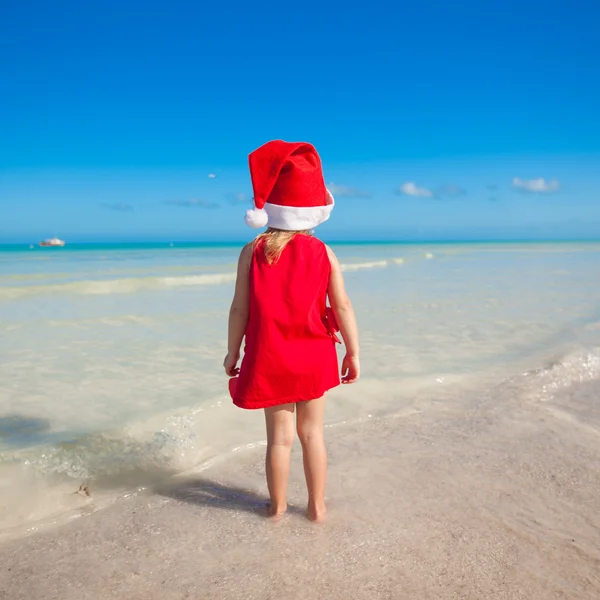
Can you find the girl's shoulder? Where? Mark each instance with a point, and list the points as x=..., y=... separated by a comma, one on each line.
x=333, y=260
x=247, y=253
x=248, y=250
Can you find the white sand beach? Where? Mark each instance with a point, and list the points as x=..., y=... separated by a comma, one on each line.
x=489, y=495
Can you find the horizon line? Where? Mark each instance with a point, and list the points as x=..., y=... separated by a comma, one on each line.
x=232, y=243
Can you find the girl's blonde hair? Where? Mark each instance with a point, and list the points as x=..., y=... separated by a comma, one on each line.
x=275, y=241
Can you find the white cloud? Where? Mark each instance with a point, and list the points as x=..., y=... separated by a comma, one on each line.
x=238, y=198
x=450, y=190
x=410, y=189
x=193, y=203
x=118, y=206
x=536, y=185
x=344, y=191
x=211, y=176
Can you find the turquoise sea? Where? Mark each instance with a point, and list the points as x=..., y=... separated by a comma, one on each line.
x=110, y=355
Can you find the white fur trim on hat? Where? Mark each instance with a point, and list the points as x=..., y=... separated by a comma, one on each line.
x=290, y=218
x=296, y=219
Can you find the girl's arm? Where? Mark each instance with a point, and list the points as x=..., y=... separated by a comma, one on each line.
x=238, y=313
x=344, y=313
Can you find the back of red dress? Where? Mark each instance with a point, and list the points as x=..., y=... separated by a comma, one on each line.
x=289, y=353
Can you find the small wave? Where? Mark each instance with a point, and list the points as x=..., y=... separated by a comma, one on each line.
x=131, y=285
x=116, y=286
x=578, y=367
x=38, y=483
x=366, y=265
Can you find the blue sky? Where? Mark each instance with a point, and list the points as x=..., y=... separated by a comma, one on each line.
x=433, y=120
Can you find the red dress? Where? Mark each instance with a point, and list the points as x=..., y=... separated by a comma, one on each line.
x=290, y=353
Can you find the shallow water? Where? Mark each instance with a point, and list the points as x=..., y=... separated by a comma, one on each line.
x=110, y=358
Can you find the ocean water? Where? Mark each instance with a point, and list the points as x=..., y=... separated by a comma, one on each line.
x=110, y=356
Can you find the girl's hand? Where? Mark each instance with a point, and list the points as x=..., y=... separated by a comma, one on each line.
x=230, y=365
x=350, y=369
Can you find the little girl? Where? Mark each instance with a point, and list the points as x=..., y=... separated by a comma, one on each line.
x=280, y=306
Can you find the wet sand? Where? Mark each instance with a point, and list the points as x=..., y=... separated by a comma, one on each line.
x=486, y=496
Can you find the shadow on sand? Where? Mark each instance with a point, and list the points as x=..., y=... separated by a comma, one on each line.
x=205, y=492
x=21, y=430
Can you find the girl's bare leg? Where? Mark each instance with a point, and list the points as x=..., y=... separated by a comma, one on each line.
x=280, y=437
x=310, y=431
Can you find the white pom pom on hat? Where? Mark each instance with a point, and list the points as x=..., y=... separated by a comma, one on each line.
x=289, y=189
x=257, y=218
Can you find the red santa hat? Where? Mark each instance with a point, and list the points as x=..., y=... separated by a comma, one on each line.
x=289, y=190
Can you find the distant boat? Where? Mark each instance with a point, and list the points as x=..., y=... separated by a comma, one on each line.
x=52, y=242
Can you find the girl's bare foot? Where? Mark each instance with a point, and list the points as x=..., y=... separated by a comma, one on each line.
x=275, y=512
x=317, y=513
